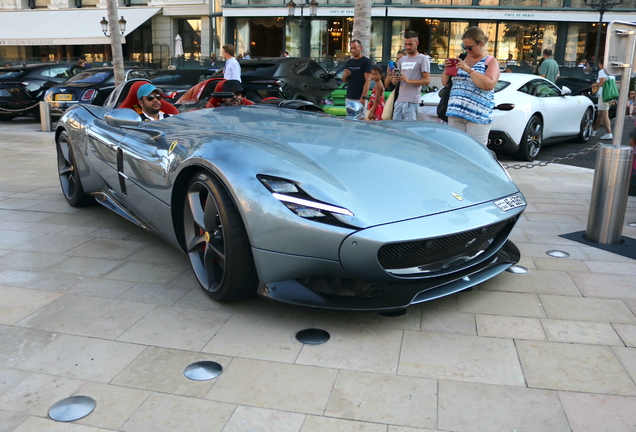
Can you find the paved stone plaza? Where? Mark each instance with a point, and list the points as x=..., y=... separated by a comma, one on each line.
x=92, y=305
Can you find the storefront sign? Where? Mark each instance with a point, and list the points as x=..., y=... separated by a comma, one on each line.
x=330, y=12
x=26, y=42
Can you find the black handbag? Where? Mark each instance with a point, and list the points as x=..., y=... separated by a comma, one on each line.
x=444, y=94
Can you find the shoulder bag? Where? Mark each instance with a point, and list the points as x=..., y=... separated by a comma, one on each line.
x=610, y=91
x=387, y=114
x=444, y=94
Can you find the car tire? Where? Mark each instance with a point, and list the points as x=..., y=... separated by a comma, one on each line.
x=586, y=126
x=531, y=140
x=216, y=241
x=69, y=174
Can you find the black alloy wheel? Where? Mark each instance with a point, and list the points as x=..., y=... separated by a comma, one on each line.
x=216, y=241
x=69, y=175
x=531, y=140
x=586, y=126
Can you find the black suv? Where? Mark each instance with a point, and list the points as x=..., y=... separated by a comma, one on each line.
x=298, y=78
x=24, y=86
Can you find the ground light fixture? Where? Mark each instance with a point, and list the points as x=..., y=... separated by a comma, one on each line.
x=203, y=370
x=558, y=253
x=72, y=408
x=517, y=269
x=122, y=26
x=312, y=336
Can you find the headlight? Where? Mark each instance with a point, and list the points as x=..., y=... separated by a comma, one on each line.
x=298, y=201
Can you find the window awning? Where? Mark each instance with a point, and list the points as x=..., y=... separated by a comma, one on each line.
x=65, y=27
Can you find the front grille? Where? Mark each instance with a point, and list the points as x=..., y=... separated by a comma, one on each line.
x=345, y=287
x=442, y=252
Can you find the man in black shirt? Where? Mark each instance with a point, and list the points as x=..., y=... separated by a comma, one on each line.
x=357, y=74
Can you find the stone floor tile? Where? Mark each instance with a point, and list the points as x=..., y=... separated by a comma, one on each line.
x=37, y=424
x=107, y=249
x=17, y=225
x=369, y=348
x=161, y=370
x=55, y=243
x=48, y=228
x=631, y=304
x=409, y=321
x=153, y=294
x=560, y=264
x=596, y=254
x=72, y=220
x=627, y=333
x=535, y=281
x=19, y=344
x=322, y=424
x=460, y=357
x=627, y=357
x=25, y=216
x=440, y=321
x=11, y=239
x=10, y=378
x=596, y=413
x=147, y=273
x=500, y=326
x=36, y=394
x=111, y=234
x=172, y=327
x=162, y=412
x=573, y=367
x=379, y=398
x=160, y=253
x=9, y=421
x=195, y=298
x=114, y=406
x=500, y=303
x=587, y=309
x=101, y=288
x=18, y=303
x=82, y=358
x=52, y=281
x=88, y=267
x=301, y=389
x=4, y=252
x=486, y=408
x=551, y=217
x=624, y=268
x=539, y=250
x=613, y=286
x=581, y=332
x=18, y=204
x=542, y=236
x=258, y=338
x=408, y=429
x=263, y=420
x=69, y=314
x=319, y=317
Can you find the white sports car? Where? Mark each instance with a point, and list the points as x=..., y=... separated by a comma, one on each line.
x=530, y=111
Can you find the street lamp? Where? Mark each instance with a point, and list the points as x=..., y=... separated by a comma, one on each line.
x=122, y=26
x=291, y=12
x=602, y=6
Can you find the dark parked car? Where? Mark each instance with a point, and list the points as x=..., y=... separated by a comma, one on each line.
x=174, y=83
x=92, y=86
x=298, y=78
x=24, y=86
x=581, y=84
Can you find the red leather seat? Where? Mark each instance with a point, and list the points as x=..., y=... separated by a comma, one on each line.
x=132, y=100
x=216, y=102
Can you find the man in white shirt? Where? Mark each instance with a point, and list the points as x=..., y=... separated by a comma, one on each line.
x=232, y=69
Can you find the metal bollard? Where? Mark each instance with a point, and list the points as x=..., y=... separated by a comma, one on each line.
x=45, y=116
x=609, y=194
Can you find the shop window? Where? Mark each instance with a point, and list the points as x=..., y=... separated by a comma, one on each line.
x=190, y=32
x=575, y=46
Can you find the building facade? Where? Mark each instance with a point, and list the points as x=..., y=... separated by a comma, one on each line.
x=53, y=30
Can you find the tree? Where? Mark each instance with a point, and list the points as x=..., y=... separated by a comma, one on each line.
x=115, y=42
x=362, y=24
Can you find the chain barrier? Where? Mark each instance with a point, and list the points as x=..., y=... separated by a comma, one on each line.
x=553, y=161
x=19, y=110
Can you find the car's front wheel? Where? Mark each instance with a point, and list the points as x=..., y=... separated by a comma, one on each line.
x=69, y=176
x=531, y=140
x=216, y=241
x=586, y=126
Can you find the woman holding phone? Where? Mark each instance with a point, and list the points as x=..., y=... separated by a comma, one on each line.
x=472, y=96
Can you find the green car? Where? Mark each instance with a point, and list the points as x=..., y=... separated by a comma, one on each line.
x=335, y=102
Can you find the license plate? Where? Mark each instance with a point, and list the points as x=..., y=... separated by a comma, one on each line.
x=510, y=202
x=63, y=97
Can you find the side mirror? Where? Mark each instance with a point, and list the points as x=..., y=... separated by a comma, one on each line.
x=355, y=110
x=565, y=91
x=122, y=117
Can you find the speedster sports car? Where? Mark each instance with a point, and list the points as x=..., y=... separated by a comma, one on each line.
x=298, y=206
x=529, y=112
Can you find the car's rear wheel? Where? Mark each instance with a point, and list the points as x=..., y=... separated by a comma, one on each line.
x=586, y=126
x=216, y=241
x=69, y=176
x=531, y=140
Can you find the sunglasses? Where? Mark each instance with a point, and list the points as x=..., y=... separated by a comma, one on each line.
x=468, y=48
x=153, y=97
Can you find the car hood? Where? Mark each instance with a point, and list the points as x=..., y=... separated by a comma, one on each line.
x=76, y=86
x=381, y=171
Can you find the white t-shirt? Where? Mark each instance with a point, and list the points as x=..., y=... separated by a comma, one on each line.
x=232, y=69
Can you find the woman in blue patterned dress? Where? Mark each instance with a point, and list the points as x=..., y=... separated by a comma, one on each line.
x=471, y=100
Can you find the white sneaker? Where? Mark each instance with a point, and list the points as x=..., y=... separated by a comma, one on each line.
x=593, y=133
x=607, y=136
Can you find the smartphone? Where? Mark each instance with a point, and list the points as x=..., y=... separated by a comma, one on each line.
x=391, y=65
x=452, y=69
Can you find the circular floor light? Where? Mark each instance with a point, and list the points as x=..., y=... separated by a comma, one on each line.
x=517, y=269
x=72, y=408
x=632, y=224
x=312, y=336
x=558, y=253
x=203, y=370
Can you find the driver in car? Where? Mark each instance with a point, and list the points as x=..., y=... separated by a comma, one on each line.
x=149, y=108
x=235, y=87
